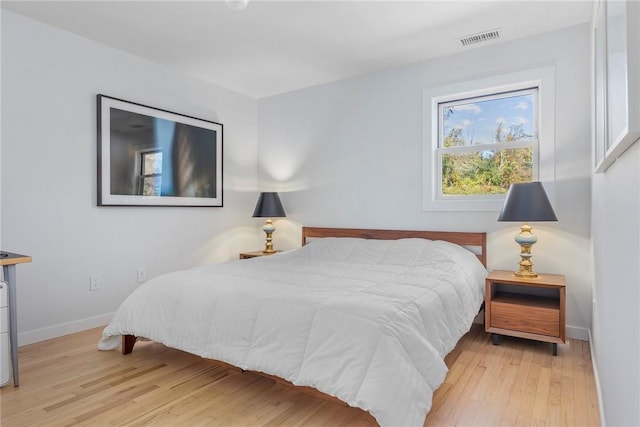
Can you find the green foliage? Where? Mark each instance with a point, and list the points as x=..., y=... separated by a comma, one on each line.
x=488, y=171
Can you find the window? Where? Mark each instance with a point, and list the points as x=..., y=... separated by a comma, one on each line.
x=482, y=136
x=151, y=172
x=485, y=143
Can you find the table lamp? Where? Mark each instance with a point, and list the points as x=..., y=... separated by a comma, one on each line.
x=526, y=202
x=269, y=206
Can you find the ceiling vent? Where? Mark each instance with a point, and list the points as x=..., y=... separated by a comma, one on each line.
x=480, y=37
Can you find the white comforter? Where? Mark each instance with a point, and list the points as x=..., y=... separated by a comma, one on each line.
x=367, y=321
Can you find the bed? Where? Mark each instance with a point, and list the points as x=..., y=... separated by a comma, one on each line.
x=365, y=316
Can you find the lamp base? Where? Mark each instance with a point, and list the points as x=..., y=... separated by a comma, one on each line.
x=268, y=229
x=525, y=239
x=525, y=273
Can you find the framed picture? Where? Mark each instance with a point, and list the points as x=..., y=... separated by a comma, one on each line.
x=153, y=157
x=617, y=75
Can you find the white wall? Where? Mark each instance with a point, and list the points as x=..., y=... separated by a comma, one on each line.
x=349, y=153
x=50, y=79
x=616, y=296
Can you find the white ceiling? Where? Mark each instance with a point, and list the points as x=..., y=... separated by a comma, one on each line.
x=272, y=47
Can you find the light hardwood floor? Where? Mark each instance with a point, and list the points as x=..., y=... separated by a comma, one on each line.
x=66, y=381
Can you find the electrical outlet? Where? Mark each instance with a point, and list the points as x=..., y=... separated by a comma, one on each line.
x=94, y=282
x=142, y=275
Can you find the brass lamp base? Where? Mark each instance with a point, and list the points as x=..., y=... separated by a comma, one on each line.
x=526, y=239
x=268, y=229
x=526, y=270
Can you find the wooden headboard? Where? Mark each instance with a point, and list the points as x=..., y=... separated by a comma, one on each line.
x=476, y=241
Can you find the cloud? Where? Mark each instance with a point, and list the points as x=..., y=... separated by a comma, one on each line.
x=500, y=120
x=522, y=105
x=461, y=125
x=521, y=120
x=474, y=108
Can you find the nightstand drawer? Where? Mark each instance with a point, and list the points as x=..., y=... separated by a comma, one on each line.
x=535, y=320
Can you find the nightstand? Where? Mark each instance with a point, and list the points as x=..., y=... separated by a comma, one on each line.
x=532, y=308
x=254, y=254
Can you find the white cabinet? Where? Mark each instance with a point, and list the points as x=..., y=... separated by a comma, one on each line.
x=4, y=335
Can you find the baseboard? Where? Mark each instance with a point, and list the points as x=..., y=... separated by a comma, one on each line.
x=55, y=331
x=577, y=333
x=596, y=377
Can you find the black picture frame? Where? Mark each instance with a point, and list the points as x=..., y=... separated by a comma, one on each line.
x=153, y=157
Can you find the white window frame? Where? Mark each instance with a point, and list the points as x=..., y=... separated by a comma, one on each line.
x=543, y=156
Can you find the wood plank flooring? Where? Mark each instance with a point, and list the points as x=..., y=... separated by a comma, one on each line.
x=67, y=381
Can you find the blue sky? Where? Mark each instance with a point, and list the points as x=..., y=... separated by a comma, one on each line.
x=479, y=120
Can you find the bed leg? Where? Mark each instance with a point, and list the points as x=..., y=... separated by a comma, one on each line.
x=128, y=341
x=495, y=338
x=555, y=349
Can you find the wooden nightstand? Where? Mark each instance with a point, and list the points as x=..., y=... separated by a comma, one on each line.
x=532, y=308
x=253, y=254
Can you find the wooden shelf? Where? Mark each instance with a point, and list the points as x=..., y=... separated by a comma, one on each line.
x=9, y=258
x=526, y=300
